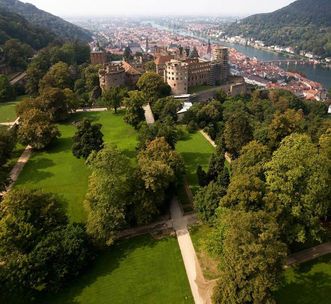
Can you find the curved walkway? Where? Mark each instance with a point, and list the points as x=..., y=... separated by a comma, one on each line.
x=309, y=254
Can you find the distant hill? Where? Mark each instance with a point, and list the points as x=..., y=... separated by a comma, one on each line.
x=42, y=19
x=13, y=26
x=304, y=25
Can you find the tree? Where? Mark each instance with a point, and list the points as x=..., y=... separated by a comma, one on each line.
x=237, y=132
x=283, y=125
x=166, y=107
x=127, y=55
x=113, y=97
x=207, y=200
x=221, y=95
x=298, y=179
x=57, y=103
x=148, y=133
x=252, y=257
x=36, y=71
x=26, y=216
x=87, y=138
x=150, y=66
x=59, y=256
x=58, y=76
x=17, y=53
x=38, y=250
x=159, y=153
x=7, y=92
x=7, y=144
x=159, y=168
x=36, y=129
x=252, y=159
x=134, y=108
x=153, y=86
x=108, y=195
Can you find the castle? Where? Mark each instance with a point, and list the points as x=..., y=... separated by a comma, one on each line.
x=184, y=69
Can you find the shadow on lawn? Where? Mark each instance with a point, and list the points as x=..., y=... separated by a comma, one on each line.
x=105, y=264
x=36, y=173
x=305, y=287
x=60, y=145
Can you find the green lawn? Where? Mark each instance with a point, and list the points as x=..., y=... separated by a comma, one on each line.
x=196, y=150
x=308, y=283
x=199, y=88
x=57, y=170
x=8, y=111
x=209, y=265
x=139, y=270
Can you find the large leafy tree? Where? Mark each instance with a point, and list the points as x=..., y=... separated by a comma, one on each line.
x=58, y=76
x=113, y=97
x=159, y=167
x=134, y=114
x=237, y=132
x=36, y=129
x=251, y=256
x=108, y=194
x=17, y=53
x=298, y=178
x=6, y=90
x=87, y=138
x=207, y=200
x=38, y=250
x=153, y=86
x=148, y=133
x=57, y=103
x=283, y=124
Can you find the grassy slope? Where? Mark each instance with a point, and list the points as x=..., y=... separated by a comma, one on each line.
x=208, y=264
x=196, y=150
x=57, y=170
x=139, y=270
x=8, y=111
x=308, y=283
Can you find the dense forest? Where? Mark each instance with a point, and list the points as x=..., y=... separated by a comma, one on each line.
x=13, y=26
x=42, y=19
x=304, y=25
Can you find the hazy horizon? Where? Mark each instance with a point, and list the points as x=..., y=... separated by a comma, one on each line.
x=155, y=8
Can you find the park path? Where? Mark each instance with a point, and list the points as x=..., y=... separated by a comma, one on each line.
x=201, y=289
x=15, y=172
x=206, y=136
x=148, y=114
x=309, y=254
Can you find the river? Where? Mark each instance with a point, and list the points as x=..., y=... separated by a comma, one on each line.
x=316, y=73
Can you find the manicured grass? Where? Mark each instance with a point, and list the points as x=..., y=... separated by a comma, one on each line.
x=196, y=150
x=8, y=110
x=57, y=170
x=139, y=270
x=308, y=283
x=199, y=88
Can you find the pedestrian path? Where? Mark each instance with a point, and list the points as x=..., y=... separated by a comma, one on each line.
x=15, y=172
x=201, y=289
x=309, y=254
x=149, y=114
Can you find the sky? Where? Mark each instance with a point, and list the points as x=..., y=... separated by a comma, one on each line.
x=158, y=7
